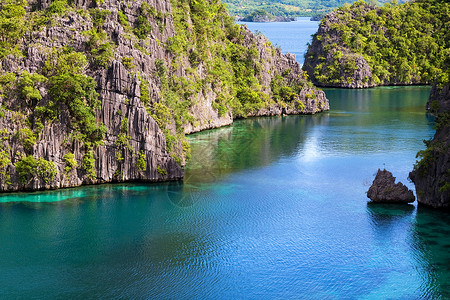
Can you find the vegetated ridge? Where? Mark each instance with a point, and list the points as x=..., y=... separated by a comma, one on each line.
x=288, y=8
x=95, y=91
x=363, y=45
x=260, y=15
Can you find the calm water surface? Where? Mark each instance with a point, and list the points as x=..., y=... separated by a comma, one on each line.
x=292, y=37
x=271, y=208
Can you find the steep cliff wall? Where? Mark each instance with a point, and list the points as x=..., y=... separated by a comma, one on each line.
x=364, y=45
x=431, y=174
x=101, y=91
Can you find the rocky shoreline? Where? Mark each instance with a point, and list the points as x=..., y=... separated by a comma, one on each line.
x=365, y=45
x=149, y=91
x=431, y=174
x=265, y=19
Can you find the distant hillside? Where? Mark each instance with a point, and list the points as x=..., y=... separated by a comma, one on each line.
x=260, y=15
x=289, y=8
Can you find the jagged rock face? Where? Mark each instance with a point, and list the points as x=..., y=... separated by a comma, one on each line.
x=364, y=45
x=431, y=175
x=119, y=92
x=384, y=189
x=120, y=100
x=312, y=99
x=317, y=57
x=271, y=62
x=439, y=100
x=135, y=147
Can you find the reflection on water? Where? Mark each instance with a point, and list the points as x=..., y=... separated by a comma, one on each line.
x=426, y=232
x=247, y=144
x=362, y=122
x=386, y=215
x=71, y=195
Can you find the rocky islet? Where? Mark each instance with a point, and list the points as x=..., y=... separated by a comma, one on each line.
x=385, y=190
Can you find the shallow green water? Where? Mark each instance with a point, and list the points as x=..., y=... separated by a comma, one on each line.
x=270, y=208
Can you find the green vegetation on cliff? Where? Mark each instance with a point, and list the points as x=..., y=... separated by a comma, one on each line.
x=365, y=45
x=12, y=23
x=431, y=173
x=106, y=90
x=210, y=40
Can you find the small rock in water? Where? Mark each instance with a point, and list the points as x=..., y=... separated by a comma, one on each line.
x=384, y=189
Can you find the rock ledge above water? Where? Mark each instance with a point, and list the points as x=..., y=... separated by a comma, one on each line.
x=384, y=189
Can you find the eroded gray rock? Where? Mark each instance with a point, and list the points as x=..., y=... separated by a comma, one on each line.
x=119, y=89
x=384, y=189
x=431, y=175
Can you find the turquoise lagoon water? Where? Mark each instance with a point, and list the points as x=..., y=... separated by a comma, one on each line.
x=270, y=208
x=292, y=37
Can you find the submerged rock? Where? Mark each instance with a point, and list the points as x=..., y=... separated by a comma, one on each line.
x=384, y=189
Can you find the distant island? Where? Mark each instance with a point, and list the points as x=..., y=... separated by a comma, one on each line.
x=287, y=10
x=261, y=15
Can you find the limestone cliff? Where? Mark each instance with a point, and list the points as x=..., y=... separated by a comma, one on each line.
x=102, y=91
x=431, y=174
x=364, y=45
x=329, y=62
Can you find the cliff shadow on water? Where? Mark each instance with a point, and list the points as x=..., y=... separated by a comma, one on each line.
x=246, y=144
